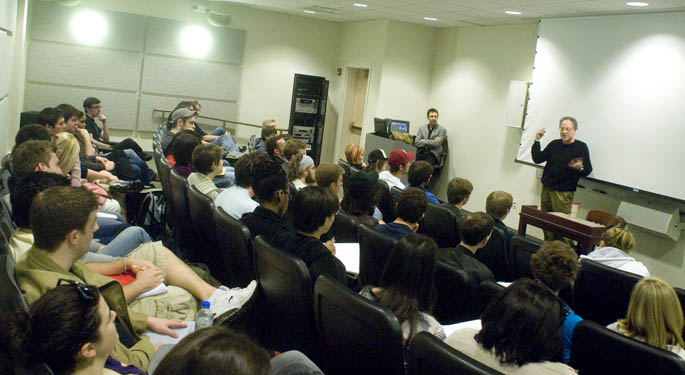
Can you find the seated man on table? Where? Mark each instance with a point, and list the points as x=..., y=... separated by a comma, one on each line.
x=63, y=222
x=411, y=208
x=420, y=174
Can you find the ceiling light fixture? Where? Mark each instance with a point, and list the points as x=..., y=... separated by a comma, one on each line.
x=309, y=11
x=359, y=5
x=513, y=12
x=430, y=18
x=636, y=4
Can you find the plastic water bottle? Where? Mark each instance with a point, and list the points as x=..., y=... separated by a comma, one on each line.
x=204, y=317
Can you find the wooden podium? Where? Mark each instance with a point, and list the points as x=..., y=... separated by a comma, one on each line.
x=587, y=233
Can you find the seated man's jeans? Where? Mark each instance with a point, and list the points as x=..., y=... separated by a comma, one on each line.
x=125, y=242
x=225, y=141
x=108, y=229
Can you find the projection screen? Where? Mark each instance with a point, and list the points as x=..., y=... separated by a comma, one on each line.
x=623, y=79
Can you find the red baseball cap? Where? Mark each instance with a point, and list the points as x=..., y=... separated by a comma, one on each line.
x=399, y=157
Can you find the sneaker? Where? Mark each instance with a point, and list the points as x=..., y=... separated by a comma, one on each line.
x=225, y=299
x=120, y=187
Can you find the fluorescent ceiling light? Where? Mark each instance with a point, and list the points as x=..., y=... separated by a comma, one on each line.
x=430, y=18
x=360, y=5
x=636, y=4
x=89, y=27
x=309, y=11
x=195, y=41
x=513, y=12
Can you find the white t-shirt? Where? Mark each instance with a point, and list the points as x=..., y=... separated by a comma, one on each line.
x=391, y=180
x=236, y=201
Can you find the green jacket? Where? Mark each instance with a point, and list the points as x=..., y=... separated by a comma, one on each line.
x=37, y=273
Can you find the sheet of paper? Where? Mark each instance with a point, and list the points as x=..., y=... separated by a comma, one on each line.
x=159, y=289
x=348, y=253
x=450, y=329
x=166, y=339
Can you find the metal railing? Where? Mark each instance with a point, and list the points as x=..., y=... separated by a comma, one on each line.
x=165, y=113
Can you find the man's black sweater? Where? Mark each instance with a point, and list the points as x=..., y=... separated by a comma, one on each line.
x=557, y=175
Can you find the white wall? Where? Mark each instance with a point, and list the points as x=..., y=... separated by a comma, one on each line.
x=472, y=70
x=276, y=47
x=12, y=26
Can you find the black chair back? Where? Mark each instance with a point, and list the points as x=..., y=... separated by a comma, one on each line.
x=495, y=255
x=184, y=233
x=455, y=301
x=11, y=298
x=234, y=244
x=286, y=289
x=395, y=194
x=440, y=224
x=345, y=166
x=357, y=336
x=487, y=291
x=345, y=228
x=164, y=171
x=374, y=251
x=385, y=202
x=602, y=293
x=429, y=355
x=201, y=209
x=522, y=249
x=597, y=350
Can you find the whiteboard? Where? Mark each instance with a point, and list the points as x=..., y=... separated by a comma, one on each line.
x=623, y=79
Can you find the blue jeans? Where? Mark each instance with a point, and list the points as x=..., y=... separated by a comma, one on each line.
x=227, y=180
x=225, y=141
x=139, y=167
x=128, y=240
x=108, y=229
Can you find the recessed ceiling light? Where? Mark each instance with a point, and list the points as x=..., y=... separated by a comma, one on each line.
x=430, y=18
x=360, y=5
x=513, y=12
x=309, y=11
x=636, y=4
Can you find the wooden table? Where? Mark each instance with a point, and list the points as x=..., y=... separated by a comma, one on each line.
x=587, y=233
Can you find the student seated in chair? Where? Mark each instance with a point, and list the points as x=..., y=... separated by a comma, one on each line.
x=301, y=171
x=291, y=148
x=314, y=211
x=70, y=329
x=208, y=164
x=556, y=265
x=420, y=174
x=270, y=186
x=237, y=200
x=268, y=131
x=63, y=222
x=521, y=332
x=654, y=316
x=411, y=208
x=330, y=176
x=475, y=233
x=498, y=205
x=613, y=251
x=399, y=162
x=458, y=194
x=407, y=286
x=361, y=198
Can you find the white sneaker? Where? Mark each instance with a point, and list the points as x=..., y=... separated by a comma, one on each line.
x=224, y=299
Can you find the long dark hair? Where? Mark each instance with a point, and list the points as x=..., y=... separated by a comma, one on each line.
x=355, y=203
x=53, y=331
x=215, y=350
x=408, y=279
x=523, y=324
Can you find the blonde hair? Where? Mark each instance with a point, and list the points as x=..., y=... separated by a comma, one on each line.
x=354, y=153
x=498, y=204
x=619, y=238
x=654, y=313
x=293, y=172
x=69, y=150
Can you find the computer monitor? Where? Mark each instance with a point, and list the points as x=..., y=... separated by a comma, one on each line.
x=399, y=126
x=380, y=126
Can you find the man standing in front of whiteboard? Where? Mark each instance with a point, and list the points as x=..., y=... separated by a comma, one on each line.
x=568, y=159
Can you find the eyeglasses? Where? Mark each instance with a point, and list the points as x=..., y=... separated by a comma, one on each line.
x=85, y=290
